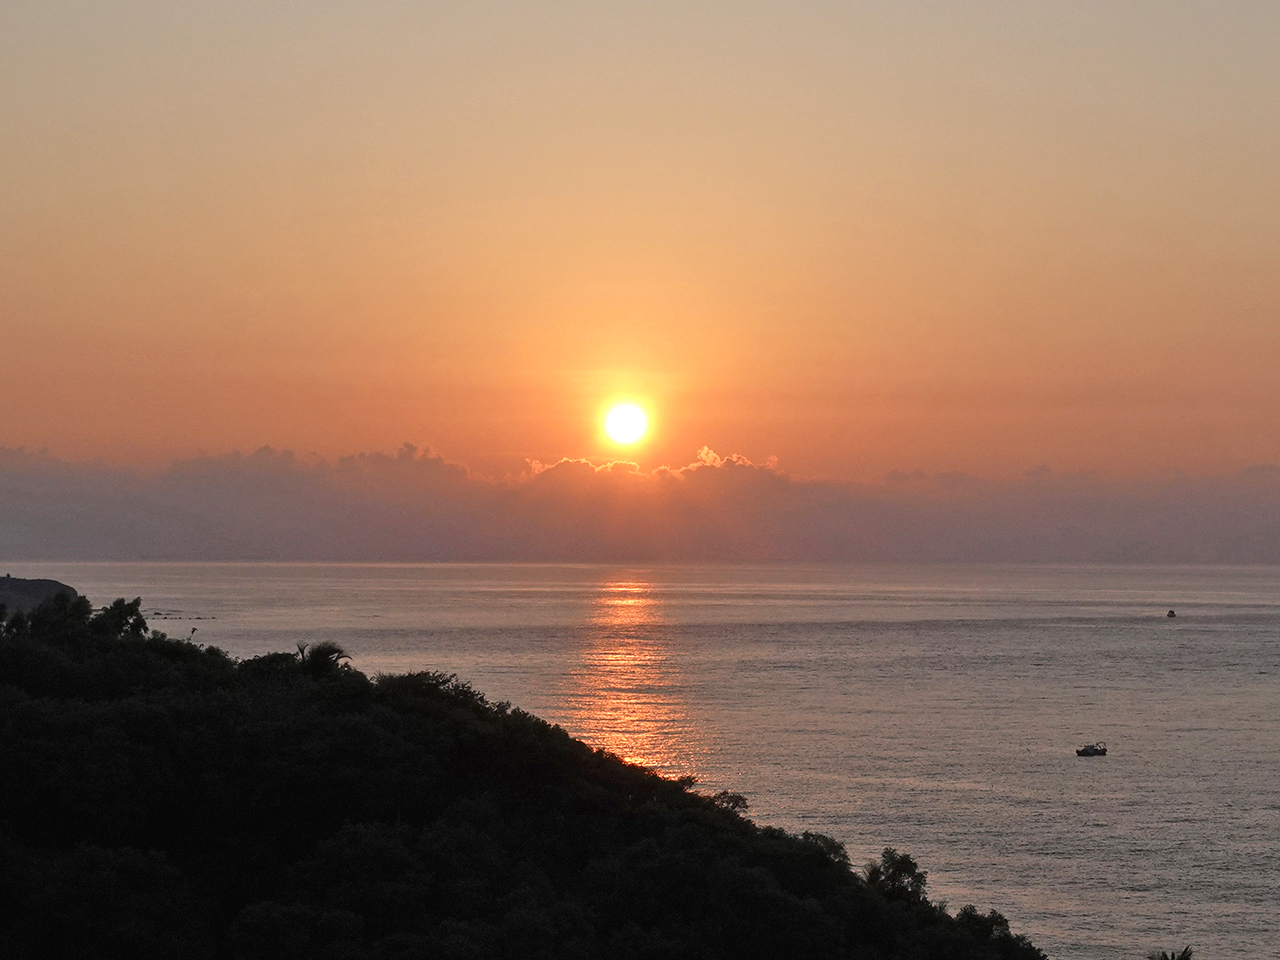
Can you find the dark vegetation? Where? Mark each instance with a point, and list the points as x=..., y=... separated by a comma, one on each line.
x=159, y=799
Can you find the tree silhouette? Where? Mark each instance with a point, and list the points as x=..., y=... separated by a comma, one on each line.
x=324, y=659
x=897, y=876
x=121, y=619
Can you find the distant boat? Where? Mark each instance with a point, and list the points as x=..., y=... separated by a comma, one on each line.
x=1170, y=614
x=1098, y=749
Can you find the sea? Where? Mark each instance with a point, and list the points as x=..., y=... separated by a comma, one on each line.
x=933, y=709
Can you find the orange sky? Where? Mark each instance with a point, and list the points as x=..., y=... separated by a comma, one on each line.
x=946, y=236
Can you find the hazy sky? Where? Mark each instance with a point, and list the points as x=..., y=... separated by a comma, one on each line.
x=858, y=236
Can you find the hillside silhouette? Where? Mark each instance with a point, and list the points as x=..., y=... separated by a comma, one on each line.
x=160, y=799
x=18, y=595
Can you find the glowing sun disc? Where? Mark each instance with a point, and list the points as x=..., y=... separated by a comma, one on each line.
x=626, y=423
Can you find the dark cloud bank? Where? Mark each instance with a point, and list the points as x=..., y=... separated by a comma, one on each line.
x=416, y=506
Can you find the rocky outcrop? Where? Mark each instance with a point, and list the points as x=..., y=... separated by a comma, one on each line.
x=17, y=594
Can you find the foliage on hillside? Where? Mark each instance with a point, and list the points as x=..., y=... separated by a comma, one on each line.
x=160, y=799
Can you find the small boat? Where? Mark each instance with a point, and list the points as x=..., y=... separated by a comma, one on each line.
x=1098, y=749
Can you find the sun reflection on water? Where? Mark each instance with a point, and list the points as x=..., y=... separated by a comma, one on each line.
x=627, y=689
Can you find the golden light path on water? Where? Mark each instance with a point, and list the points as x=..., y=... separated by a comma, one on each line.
x=625, y=690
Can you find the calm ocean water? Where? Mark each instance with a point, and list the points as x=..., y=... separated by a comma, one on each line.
x=933, y=709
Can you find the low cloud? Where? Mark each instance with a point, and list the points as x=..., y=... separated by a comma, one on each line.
x=414, y=505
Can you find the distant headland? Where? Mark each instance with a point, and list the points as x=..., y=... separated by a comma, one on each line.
x=18, y=595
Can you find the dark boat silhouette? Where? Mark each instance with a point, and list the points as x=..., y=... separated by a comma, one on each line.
x=1098, y=749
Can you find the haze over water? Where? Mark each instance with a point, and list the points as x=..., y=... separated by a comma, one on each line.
x=934, y=709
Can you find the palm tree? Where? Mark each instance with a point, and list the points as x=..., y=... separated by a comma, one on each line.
x=323, y=659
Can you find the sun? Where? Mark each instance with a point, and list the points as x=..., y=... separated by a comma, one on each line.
x=626, y=423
